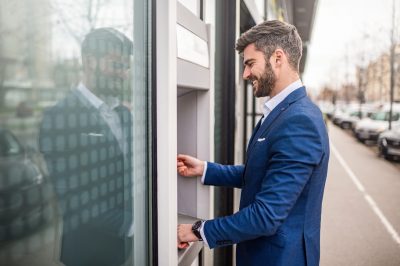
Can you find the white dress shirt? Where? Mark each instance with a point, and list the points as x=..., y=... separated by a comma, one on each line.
x=271, y=103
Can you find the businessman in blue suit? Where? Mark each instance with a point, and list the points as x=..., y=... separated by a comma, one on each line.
x=283, y=178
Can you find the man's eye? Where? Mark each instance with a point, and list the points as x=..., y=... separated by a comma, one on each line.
x=251, y=65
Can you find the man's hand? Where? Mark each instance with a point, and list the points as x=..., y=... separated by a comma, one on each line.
x=189, y=166
x=185, y=235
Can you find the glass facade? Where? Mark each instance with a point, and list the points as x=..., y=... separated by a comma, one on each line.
x=74, y=132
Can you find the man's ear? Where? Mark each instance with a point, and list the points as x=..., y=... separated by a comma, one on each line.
x=89, y=62
x=278, y=57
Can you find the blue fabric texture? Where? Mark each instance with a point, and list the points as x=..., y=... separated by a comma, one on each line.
x=282, y=186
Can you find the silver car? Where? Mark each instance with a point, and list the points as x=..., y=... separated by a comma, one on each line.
x=24, y=190
x=368, y=129
x=389, y=143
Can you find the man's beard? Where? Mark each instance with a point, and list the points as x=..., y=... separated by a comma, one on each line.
x=109, y=86
x=266, y=82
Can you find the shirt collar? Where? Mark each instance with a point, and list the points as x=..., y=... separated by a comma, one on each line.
x=93, y=99
x=110, y=101
x=271, y=103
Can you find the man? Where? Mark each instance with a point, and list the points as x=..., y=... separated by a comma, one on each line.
x=85, y=141
x=283, y=178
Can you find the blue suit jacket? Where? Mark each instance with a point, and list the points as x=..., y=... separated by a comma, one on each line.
x=282, y=186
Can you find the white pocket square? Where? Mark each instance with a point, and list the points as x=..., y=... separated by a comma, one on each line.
x=260, y=139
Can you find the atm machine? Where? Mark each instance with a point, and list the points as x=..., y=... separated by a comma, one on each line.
x=194, y=132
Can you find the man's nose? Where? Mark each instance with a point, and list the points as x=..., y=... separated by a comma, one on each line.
x=246, y=73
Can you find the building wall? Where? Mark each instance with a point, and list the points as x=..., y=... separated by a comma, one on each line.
x=377, y=78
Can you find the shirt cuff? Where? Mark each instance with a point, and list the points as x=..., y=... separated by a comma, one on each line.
x=204, y=172
x=202, y=233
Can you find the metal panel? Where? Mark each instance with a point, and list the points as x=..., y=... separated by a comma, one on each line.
x=191, y=47
x=188, y=20
x=187, y=134
x=166, y=131
x=192, y=76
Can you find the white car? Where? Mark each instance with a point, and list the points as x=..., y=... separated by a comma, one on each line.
x=347, y=117
x=370, y=128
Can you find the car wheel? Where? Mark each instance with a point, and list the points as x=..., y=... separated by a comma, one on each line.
x=360, y=139
x=388, y=157
x=345, y=125
x=381, y=150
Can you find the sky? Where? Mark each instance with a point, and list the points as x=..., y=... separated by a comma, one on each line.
x=347, y=33
x=70, y=22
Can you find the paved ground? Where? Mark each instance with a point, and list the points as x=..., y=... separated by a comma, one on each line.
x=361, y=209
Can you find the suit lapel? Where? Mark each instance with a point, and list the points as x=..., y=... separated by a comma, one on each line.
x=99, y=124
x=293, y=97
x=87, y=108
x=125, y=118
x=254, y=132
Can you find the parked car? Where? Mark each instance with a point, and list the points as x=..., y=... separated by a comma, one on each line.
x=346, y=118
x=389, y=143
x=337, y=115
x=24, y=191
x=327, y=109
x=368, y=129
x=339, y=109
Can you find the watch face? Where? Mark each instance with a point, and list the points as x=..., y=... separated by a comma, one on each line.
x=196, y=225
x=195, y=229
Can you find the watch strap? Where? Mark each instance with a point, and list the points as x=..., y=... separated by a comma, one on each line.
x=196, y=229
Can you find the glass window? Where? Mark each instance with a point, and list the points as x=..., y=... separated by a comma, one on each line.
x=395, y=116
x=380, y=116
x=74, y=116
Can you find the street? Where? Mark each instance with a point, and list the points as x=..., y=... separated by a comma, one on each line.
x=361, y=208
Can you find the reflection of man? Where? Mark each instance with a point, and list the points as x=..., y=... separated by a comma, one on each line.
x=283, y=179
x=85, y=140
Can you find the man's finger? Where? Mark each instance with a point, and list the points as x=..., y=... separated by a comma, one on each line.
x=183, y=157
x=183, y=245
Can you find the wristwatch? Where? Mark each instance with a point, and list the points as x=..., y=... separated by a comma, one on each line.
x=196, y=229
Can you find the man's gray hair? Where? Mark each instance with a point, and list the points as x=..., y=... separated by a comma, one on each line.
x=270, y=35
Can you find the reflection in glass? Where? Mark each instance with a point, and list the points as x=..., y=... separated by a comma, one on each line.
x=67, y=106
x=97, y=216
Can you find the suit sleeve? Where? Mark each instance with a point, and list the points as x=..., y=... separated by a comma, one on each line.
x=296, y=150
x=224, y=175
